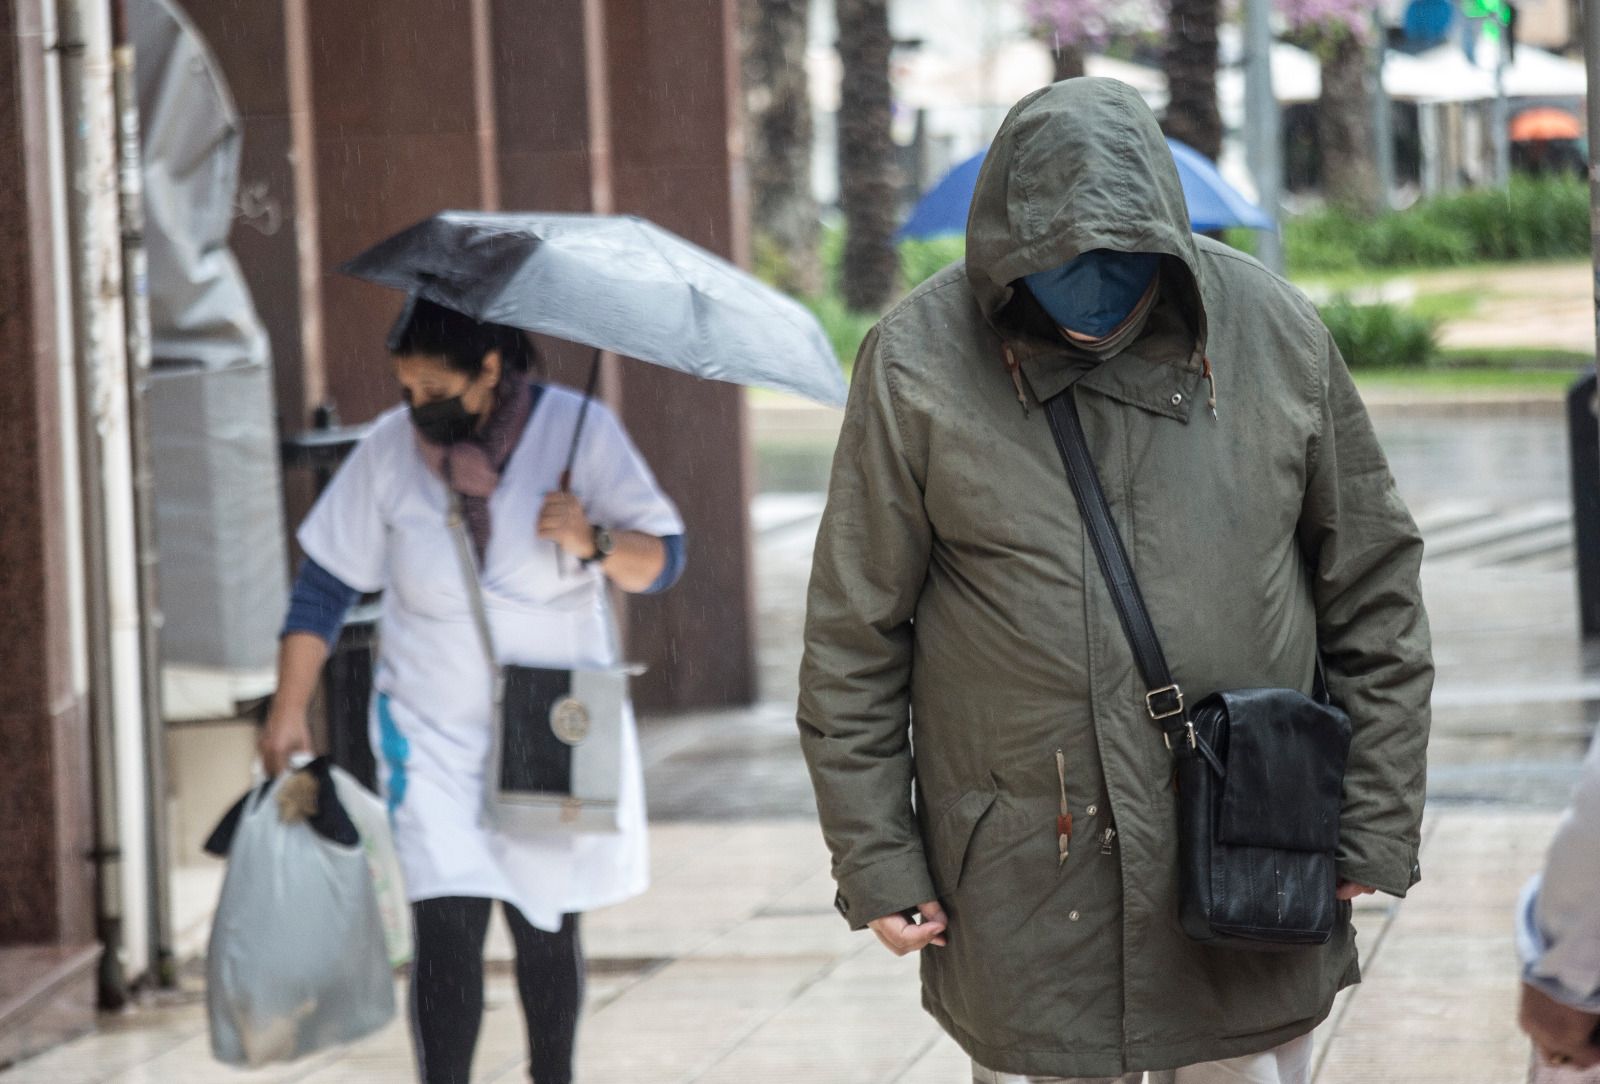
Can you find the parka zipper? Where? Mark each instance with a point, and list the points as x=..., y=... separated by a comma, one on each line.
x=1105, y=840
x=1064, y=818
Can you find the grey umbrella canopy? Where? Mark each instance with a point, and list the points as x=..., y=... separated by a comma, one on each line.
x=614, y=282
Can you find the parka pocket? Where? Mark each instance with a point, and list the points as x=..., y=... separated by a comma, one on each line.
x=951, y=835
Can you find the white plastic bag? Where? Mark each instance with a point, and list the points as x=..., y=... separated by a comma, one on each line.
x=298, y=960
x=371, y=819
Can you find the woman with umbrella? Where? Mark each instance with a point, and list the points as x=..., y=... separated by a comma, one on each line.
x=477, y=445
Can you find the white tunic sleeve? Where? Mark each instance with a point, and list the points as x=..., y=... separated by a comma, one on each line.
x=616, y=485
x=345, y=531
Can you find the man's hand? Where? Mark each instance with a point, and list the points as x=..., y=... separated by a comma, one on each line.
x=1561, y=1034
x=903, y=937
x=1349, y=890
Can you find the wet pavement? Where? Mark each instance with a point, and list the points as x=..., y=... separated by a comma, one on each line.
x=734, y=968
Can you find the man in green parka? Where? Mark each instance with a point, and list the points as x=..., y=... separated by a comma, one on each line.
x=965, y=673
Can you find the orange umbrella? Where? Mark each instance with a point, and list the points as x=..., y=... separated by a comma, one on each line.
x=1546, y=123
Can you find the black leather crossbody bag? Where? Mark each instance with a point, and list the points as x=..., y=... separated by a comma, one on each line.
x=1260, y=772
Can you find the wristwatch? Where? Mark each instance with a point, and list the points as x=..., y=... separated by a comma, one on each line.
x=604, y=545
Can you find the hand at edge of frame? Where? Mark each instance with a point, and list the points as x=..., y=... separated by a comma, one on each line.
x=1561, y=1034
x=901, y=936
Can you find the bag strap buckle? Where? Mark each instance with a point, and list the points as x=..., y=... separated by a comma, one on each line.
x=1189, y=736
x=1164, y=703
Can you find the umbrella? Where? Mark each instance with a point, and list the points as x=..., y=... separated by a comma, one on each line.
x=1213, y=203
x=944, y=208
x=1546, y=123
x=613, y=282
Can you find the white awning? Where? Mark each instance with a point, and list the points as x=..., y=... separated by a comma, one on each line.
x=1444, y=74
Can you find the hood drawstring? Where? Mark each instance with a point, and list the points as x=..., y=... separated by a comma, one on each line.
x=1015, y=370
x=1205, y=369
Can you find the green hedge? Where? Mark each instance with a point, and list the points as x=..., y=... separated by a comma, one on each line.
x=1534, y=218
x=919, y=261
x=845, y=329
x=1380, y=336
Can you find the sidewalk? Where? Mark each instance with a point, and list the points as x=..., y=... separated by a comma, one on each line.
x=734, y=968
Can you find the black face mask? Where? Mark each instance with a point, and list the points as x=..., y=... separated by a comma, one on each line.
x=444, y=421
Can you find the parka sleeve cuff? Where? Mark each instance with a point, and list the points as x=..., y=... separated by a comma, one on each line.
x=884, y=888
x=1389, y=865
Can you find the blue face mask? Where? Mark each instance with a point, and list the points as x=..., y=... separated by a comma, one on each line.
x=1094, y=292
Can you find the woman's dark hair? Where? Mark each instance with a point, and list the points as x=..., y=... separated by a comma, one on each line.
x=427, y=328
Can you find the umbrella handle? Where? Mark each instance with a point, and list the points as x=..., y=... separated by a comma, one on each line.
x=577, y=435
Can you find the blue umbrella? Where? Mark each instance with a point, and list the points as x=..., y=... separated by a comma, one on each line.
x=1214, y=204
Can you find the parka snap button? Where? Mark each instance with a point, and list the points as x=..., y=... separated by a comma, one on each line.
x=1177, y=398
x=1092, y=810
x=1072, y=916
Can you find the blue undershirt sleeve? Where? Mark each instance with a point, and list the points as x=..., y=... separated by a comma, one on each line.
x=673, y=569
x=318, y=603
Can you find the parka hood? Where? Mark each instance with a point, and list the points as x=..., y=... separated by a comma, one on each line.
x=1076, y=166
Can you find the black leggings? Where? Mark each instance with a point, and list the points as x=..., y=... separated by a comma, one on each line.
x=447, y=989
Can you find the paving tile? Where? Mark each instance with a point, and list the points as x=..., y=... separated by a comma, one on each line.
x=687, y=1016
x=941, y=1062
x=869, y=1013
x=786, y=935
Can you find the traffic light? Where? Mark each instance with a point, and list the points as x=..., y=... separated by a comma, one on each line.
x=1498, y=16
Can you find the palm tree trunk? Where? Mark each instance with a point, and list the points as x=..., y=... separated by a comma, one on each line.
x=778, y=119
x=1344, y=129
x=868, y=181
x=1191, y=64
x=1069, y=59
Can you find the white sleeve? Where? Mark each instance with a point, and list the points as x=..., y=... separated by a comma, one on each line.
x=345, y=531
x=1559, y=935
x=616, y=485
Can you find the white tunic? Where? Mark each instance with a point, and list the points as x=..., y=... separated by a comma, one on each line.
x=381, y=525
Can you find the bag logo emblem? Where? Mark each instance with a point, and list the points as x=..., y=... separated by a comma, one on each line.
x=569, y=718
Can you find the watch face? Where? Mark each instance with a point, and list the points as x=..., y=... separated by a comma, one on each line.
x=602, y=542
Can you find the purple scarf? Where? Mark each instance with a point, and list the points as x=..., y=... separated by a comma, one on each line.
x=472, y=466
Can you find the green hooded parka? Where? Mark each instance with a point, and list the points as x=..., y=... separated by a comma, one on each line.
x=959, y=633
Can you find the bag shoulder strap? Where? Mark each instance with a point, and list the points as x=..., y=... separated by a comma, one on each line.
x=468, y=561
x=469, y=576
x=1164, y=699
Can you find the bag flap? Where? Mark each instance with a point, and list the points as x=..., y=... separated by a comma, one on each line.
x=1285, y=755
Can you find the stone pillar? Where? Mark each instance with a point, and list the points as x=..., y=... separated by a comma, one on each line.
x=402, y=109
x=47, y=905
x=677, y=159
x=623, y=105
x=46, y=833
x=553, y=130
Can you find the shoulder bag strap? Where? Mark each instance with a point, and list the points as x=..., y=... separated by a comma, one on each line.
x=469, y=576
x=1164, y=699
